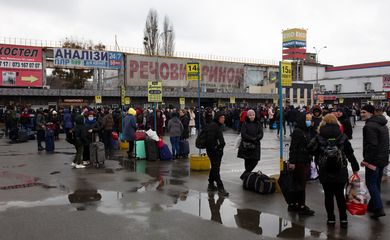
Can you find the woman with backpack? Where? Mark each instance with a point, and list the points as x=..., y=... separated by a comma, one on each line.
x=298, y=162
x=332, y=148
x=249, y=149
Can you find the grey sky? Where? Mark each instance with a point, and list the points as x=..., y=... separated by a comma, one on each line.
x=355, y=31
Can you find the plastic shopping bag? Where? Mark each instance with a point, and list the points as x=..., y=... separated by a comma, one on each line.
x=357, y=196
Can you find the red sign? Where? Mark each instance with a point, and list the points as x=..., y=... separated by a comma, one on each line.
x=20, y=66
x=294, y=56
x=386, y=81
x=294, y=50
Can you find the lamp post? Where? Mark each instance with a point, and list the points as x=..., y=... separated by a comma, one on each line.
x=317, y=89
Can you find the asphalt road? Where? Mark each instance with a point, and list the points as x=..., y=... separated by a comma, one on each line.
x=42, y=197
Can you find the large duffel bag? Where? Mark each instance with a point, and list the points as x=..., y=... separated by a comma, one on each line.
x=165, y=153
x=184, y=147
x=259, y=182
x=152, y=153
x=97, y=154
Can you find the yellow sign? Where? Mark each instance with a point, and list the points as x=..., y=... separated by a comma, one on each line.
x=295, y=34
x=193, y=71
x=98, y=99
x=341, y=100
x=182, y=101
x=123, y=91
x=123, y=100
x=232, y=100
x=154, y=91
x=286, y=74
x=127, y=100
x=30, y=79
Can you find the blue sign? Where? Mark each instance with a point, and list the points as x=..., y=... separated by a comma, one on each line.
x=294, y=44
x=87, y=58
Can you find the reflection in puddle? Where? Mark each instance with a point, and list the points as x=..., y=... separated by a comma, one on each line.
x=207, y=206
x=222, y=210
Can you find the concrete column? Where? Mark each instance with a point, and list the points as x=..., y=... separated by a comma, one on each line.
x=305, y=96
x=299, y=96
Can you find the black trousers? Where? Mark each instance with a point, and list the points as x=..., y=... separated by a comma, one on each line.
x=131, y=148
x=299, y=178
x=215, y=160
x=250, y=165
x=332, y=190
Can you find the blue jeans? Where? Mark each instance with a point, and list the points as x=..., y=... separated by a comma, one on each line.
x=373, y=182
x=175, y=145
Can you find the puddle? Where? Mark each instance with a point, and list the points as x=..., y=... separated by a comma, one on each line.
x=203, y=205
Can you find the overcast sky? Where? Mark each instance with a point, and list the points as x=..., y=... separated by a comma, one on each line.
x=354, y=31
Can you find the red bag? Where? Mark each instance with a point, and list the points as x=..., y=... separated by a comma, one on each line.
x=357, y=196
x=356, y=208
x=139, y=136
x=114, y=136
x=160, y=144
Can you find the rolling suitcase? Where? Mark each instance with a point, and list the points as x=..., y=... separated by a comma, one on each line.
x=165, y=153
x=49, y=140
x=184, y=147
x=22, y=136
x=259, y=182
x=151, y=150
x=97, y=154
x=140, y=149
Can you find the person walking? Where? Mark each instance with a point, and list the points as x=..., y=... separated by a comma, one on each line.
x=345, y=122
x=214, y=150
x=130, y=126
x=250, y=148
x=91, y=128
x=376, y=156
x=80, y=134
x=381, y=111
x=298, y=162
x=175, y=130
x=67, y=121
x=333, y=171
x=40, y=127
x=107, y=126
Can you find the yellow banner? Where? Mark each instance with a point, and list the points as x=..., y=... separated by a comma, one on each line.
x=286, y=74
x=154, y=91
x=98, y=99
x=232, y=100
x=182, y=101
x=127, y=100
x=295, y=34
x=193, y=71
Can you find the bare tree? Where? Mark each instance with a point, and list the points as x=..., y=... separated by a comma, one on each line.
x=168, y=38
x=151, y=33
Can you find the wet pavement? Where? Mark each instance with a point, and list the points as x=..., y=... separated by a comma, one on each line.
x=41, y=197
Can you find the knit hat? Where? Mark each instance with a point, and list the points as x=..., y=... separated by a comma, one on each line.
x=132, y=111
x=369, y=108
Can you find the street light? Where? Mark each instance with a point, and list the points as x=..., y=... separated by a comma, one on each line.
x=317, y=88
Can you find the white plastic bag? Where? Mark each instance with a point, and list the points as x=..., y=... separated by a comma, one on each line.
x=313, y=171
x=238, y=141
x=152, y=134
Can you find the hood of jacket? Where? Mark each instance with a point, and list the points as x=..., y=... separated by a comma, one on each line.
x=301, y=121
x=217, y=116
x=79, y=120
x=381, y=120
x=330, y=131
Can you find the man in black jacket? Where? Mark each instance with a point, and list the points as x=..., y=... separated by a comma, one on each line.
x=376, y=156
x=214, y=149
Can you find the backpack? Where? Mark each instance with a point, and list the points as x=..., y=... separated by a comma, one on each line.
x=332, y=157
x=201, y=139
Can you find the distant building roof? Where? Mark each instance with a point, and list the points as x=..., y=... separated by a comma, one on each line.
x=359, y=66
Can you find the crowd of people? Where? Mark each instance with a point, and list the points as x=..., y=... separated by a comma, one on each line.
x=311, y=131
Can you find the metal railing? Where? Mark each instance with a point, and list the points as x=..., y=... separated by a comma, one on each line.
x=131, y=50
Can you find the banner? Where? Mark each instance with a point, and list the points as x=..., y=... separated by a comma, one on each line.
x=172, y=72
x=386, y=81
x=293, y=38
x=154, y=91
x=20, y=66
x=66, y=57
x=286, y=74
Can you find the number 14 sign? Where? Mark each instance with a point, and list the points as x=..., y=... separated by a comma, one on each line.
x=193, y=71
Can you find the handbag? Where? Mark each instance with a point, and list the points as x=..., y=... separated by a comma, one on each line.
x=248, y=145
